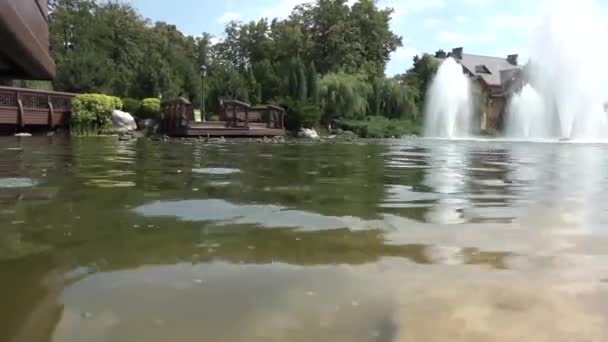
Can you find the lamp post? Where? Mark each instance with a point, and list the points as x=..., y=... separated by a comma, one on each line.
x=203, y=76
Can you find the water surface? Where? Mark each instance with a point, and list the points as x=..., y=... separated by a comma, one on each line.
x=406, y=240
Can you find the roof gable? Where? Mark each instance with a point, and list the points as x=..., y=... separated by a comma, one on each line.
x=493, y=66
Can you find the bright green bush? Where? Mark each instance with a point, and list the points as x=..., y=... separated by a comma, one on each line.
x=150, y=109
x=92, y=113
x=131, y=106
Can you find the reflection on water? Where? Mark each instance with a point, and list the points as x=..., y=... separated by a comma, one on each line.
x=216, y=171
x=409, y=240
x=270, y=216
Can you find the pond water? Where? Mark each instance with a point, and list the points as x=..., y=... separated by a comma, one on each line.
x=405, y=240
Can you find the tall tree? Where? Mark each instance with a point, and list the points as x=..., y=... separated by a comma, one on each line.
x=326, y=55
x=312, y=80
x=421, y=74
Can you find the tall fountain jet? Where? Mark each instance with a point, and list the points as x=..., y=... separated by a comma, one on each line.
x=568, y=77
x=528, y=117
x=448, y=112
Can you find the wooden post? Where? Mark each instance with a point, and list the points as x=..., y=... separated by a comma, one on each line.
x=224, y=115
x=270, y=113
x=246, y=116
x=20, y=122
x=282, y=120
x=51, y=112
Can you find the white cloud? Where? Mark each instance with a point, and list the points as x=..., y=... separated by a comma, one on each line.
x=465, y=39
x=405, y=7
x=478, y=2
x=404, y=54
x=432, y=22
x=461, y=19
x=401, y=59
x=228, y=17
x=215, y=40
x=514, y=22
x=282, y=9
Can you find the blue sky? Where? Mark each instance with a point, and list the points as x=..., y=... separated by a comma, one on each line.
x=492, y=27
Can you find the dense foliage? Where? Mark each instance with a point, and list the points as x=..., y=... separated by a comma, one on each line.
x=325, y=63
x=150, y=109
x=131, y=106
x=92, y=113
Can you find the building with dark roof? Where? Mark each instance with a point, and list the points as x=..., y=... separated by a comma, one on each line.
x=24, y=40
x=495, y=79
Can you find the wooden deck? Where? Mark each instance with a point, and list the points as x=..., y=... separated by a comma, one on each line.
x=220, y=129
x=22, y=108
x=238, y=120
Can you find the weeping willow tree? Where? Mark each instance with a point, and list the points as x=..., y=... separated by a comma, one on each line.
x=344, y=96
x=313, y=83
x=393, y=100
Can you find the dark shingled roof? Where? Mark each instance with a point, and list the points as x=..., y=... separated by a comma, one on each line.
x=493, y=64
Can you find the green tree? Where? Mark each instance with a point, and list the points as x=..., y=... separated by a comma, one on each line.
x=326, y=58
x=421, y=74
x=344, y=96
x=377, y=41
x=312, y=80
x=271, y=84
x=393, y=100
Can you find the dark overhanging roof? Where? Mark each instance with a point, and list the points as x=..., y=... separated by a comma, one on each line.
x=24, y=40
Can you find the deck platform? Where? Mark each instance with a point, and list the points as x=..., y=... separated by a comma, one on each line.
x=219, y=129
x=238, y=119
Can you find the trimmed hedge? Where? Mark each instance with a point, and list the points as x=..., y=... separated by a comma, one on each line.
x=150, y=109
x=92, y=113
x=131, y=106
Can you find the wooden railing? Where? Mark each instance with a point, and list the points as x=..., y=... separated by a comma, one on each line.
x=236, y=113
x=177, y=114
x=241, y=114
x=27, y=107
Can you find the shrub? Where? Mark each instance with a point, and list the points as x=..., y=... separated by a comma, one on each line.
x=131, y=106
x=308, y=115
x=300, y=115
x=380, y=127
x=92, y=113
x=150, y=109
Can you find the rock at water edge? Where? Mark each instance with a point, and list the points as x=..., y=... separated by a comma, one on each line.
x=308, y=133
x=123, y=121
